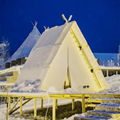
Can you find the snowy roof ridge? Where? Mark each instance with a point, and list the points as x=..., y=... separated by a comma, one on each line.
x=26, y=47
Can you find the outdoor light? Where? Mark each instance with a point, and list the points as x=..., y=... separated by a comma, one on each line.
x=51, y=89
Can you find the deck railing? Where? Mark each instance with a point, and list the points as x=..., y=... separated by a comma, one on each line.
x=89, y=99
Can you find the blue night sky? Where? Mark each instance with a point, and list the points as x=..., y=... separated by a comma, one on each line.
x=99, y=20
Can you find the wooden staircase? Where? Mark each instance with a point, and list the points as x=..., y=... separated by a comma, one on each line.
x=109, y=109
x=9, y=77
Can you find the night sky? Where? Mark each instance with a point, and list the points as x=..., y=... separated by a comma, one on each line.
x=99, y=20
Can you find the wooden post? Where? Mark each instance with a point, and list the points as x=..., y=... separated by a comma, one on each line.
x=73, y=104
x=54, y=110
x=7, y=111
x=116, y=72
x=35, y=108
x=83, y=103
x=21, y=111
x=107, y=73
x=41, y=103
x=56, y=104
x=9, y=103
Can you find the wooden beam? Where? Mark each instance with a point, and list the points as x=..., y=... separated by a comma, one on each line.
x=54, y=110
x=13, y=110
x=56, y=103
x=21, y=111
x=9, y=103
x=35, y=108
x=73, y=104
x=107, y=73
x=83, y=103
x=41, y=102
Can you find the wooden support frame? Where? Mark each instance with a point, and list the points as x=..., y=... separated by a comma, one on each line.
x=73, y=104
x=14, y=109
x=35, y=107
x=41, y=103
x=21, y=111
x=56, y=103
x=107, y=73
x=116, y=72
x=83, y=103
x=54, y=109
x=9, y=103
x=54, y=98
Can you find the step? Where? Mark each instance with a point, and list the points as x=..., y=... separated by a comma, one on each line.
x=110, y=104
x=109, y=107
x=104, y=95
x=111, y=114
x=90, y=117
x=103, y=100
x=2, y=80
x=5, y=78
x=91, y=104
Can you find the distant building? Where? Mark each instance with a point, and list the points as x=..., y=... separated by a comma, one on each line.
x=108, y=59
x=21, y=54
x=26, y=47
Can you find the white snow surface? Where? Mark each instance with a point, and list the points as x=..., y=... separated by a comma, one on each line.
x=114, y=84
x=28, y=86
x=27, y=45
x=11, y=117
x=72, y=117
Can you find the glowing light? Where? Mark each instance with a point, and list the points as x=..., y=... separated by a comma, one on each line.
x=51, y=89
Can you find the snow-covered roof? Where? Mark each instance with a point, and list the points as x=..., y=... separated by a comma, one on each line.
x=27, y=45
x=40, y=57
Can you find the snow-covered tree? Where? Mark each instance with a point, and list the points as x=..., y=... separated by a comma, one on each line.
x=4, y=51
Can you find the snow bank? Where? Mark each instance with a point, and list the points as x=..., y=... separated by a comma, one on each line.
x=114, y=84
x=34, y=86
x=72, y=117
x=3, y=114
x=27, y=86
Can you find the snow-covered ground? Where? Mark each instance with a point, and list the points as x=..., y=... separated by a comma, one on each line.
x=113, y=82
x=27, y=86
